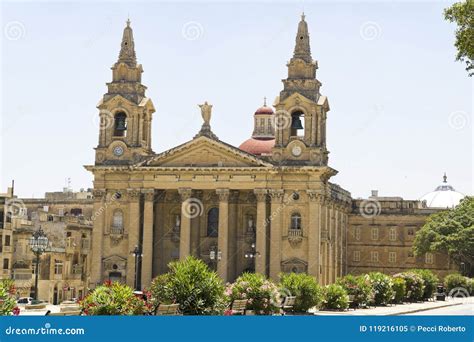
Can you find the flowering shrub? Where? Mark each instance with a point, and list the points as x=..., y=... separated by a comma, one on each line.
x=7, y=298
x=306, y=289
x=113, y=299
x=414, y=285
x=430, y=282
x=262, y=295
x=191, y=284
x=454, y=280
x=399, y=288
x=382, y=288
x=360, y=287
x=335, y=297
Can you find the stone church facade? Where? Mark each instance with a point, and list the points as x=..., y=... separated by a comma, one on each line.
x=268, y=206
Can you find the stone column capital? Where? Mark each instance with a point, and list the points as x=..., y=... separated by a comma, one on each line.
x=99, y=193
x=315, y=196
x=261, y=194
x=276, y=194
x=223, y=194
x=185, y=193
x=149, y=194
x=133, y=194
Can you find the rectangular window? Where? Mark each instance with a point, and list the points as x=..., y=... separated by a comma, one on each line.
x=392, y=257
x=356, y=256
x=392, y=234
x=58, y=267
x=375, y=233
x=357, y=233
x=5, y=264
x=374, y=256
x=7, y=240
x=410, y=231
x=428, y=258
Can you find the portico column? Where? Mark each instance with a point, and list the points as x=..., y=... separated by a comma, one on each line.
x=275, y=234
x=261, y=232
x=332, y=240
x=98, y=217
x=223, y=233
x=133, y=231
x=185, y=230
x=147, y=259
x=314, y=234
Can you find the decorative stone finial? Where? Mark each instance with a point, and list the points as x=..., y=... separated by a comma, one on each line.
x=206, y=111
x=445, y=178
x=128, y=22
x=265, y=101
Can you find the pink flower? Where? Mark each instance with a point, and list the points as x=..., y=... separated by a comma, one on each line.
x=228, y=312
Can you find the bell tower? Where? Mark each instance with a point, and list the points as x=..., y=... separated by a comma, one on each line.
x=125, y=112
x=300, y=117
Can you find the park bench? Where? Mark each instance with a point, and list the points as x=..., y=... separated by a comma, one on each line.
x=238, y=306
x=352, y=303
x=63, y=313
x=287, y=304
x=167, y=310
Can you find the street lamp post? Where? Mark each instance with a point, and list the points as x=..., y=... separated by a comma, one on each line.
x=38, y=244
x=252, y=254
x=215, y=255
x=137, y=253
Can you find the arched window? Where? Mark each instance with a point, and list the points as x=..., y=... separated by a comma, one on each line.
x=120, y=124
x=117, y=223
x=297, y=123
x=213, y=222
x=295, y=221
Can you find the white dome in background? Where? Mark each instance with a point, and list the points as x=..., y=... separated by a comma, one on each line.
x=444, y=196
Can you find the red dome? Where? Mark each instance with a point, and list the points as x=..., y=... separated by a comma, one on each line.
x=257, y=147
x=264, y=110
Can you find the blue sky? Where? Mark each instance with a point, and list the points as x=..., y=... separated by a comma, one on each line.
x=401, y=107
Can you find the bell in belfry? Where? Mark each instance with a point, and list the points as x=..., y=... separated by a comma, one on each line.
x=296, y=122
x=120, y=125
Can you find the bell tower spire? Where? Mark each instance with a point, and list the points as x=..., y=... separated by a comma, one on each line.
x=302, y=48
x=125, y=111
x=127, y=51
x=300, y=120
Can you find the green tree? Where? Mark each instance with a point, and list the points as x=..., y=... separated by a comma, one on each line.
x=462, y=13
x=450, y=231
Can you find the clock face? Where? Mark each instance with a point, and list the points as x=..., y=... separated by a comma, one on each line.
x=118, y=151
x=296, y=151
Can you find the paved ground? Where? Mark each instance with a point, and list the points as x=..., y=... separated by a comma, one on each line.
x=401, y=309
x=466, y=309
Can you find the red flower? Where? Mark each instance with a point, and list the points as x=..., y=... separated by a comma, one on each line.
x=228, y=312
x=16, y=311
x=108, y=283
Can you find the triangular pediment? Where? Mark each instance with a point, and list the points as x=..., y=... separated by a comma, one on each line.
x=205, y=152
